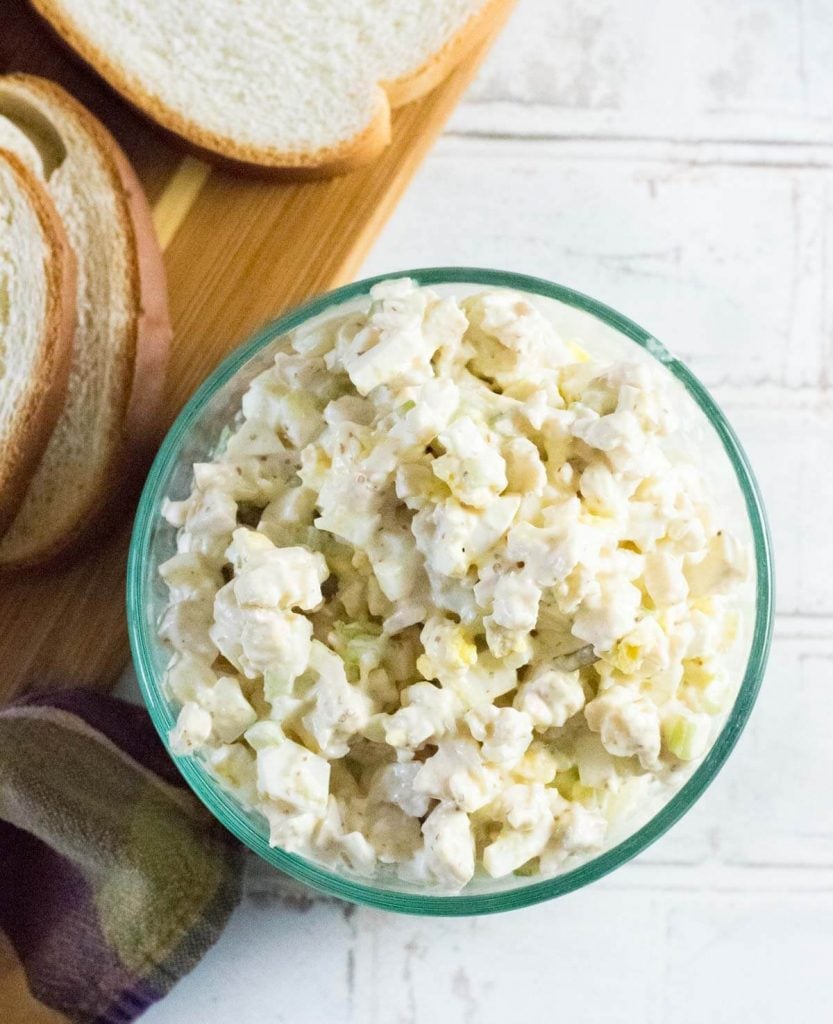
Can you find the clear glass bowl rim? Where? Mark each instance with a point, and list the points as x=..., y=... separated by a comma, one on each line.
x=223, y=807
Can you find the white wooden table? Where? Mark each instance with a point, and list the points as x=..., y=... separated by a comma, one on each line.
x=674, y=160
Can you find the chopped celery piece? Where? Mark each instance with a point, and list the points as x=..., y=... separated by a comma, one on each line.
x=277, y=682
x=530, y=869
x=264, y=734
x=570, y=786
x=686, y=735
x=361, y=646
x=222, y=442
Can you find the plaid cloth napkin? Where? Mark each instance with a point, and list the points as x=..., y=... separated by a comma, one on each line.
x=113, y=880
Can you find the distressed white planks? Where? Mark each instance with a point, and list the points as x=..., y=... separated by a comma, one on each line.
x=606, y=956
x=693, y=69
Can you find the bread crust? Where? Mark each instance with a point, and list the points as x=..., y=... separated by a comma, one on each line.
x=140, y=416
x=40, y=412
x=332, y=160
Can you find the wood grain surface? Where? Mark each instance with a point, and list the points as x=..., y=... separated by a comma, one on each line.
x=239, y=250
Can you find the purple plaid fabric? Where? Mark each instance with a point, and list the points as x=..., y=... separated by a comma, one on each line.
x=114, y=880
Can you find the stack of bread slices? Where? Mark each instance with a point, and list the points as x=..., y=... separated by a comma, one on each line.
x=84, y=329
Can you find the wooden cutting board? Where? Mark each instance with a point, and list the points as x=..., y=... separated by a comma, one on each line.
x=238, y=251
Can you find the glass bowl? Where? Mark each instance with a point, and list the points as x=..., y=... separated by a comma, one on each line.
x=194, y=436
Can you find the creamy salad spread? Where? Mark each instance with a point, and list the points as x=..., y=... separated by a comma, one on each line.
x=423, y=507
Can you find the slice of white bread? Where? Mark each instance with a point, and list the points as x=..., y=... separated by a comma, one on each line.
x=37, y=322
x=13, y=140
x=280, y=83
x=110, y=417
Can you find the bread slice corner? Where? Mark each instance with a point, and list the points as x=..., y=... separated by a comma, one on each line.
x=37, y=323
x=481, y=24
x=110, y=420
